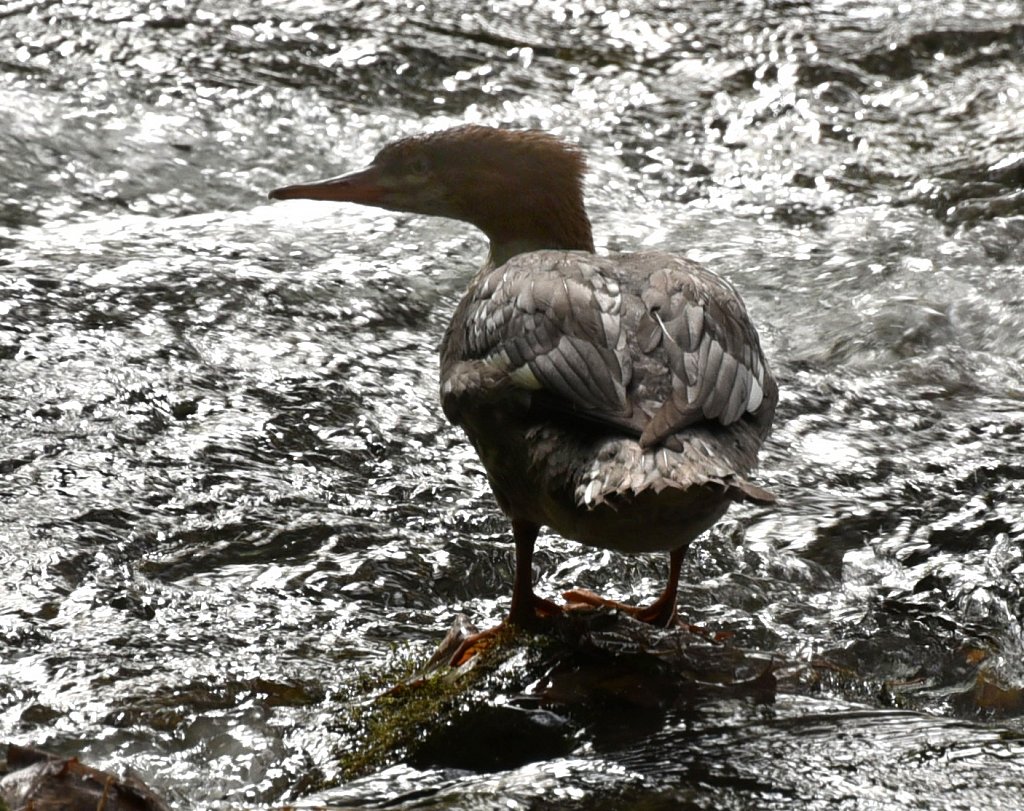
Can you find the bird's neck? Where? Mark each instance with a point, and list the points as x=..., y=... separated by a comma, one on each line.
x=564, y=228
x=503, y=250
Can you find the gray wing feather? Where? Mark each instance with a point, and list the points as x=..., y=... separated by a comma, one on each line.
x=647, y=342
x=552, y=322
x=712, y=349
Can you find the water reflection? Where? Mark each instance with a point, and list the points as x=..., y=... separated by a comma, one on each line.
x=802, y=753
x=228, y=492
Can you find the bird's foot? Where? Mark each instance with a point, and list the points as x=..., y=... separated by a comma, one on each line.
x=535, y=615
x=477, y=643
x=660, y=613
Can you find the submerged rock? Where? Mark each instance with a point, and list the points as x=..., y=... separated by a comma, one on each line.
x=40, y=781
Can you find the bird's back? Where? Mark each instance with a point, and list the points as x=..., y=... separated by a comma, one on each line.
x=606, y=380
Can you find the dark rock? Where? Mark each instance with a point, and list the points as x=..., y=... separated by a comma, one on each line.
x=40, y=781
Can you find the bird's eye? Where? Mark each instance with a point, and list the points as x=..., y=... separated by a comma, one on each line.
x=419, y=165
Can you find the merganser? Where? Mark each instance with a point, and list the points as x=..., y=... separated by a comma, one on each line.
x=620, y=400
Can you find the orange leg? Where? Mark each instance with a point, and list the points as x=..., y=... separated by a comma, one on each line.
x=661, y=612
x=528, y=611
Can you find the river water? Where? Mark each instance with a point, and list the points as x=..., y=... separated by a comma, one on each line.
x=229, y=501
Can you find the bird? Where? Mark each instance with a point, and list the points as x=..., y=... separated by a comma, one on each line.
x=619, y=400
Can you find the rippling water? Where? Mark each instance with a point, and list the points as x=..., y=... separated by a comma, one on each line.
x=228, y=497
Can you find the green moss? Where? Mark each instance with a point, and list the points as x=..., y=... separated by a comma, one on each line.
x=410, y=700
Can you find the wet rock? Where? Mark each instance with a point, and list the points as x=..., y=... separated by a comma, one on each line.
x=493, y=738
x=916, y=52
x=40, y=781
x=1003, y=205
x=991, y=696
x=595, y=676
x=968, y=190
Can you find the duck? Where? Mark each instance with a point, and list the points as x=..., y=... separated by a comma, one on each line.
x=619, y=400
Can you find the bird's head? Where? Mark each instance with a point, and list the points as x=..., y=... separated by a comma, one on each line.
x=520, y=187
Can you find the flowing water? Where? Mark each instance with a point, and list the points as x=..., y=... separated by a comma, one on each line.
x=229, y=500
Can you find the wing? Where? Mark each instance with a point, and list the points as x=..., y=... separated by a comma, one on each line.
x=715, y=369
x=548, y=322
x=648, y=343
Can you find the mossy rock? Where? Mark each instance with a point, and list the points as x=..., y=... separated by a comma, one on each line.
x=534, y=697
